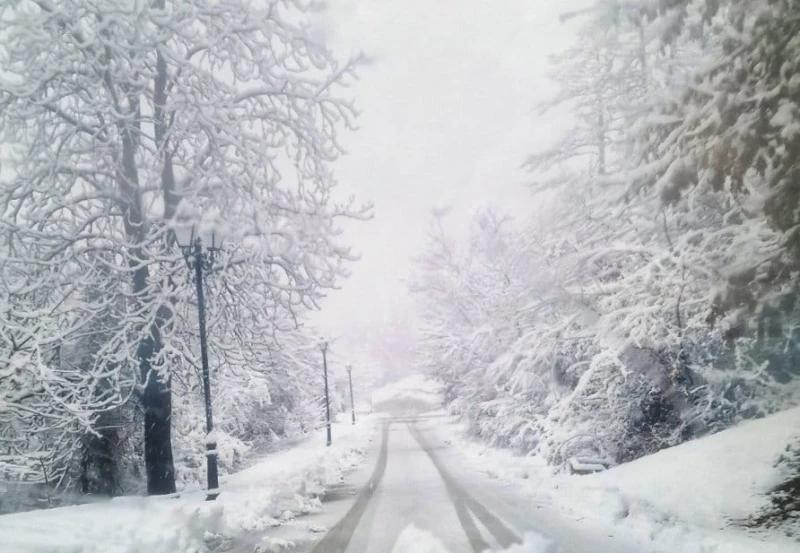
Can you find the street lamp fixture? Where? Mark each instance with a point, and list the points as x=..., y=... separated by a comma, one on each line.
x=199, y=246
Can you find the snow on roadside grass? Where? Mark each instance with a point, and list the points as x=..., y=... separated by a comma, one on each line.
x=683, y=499
x=280, y=487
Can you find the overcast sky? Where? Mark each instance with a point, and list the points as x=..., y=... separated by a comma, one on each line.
x=447, y=116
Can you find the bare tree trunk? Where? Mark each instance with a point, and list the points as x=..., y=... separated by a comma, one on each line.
x=157, y=404
x=156, y=396
x=99, y=471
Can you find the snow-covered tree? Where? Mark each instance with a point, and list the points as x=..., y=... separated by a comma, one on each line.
x=623, y=339
x=118, y=119
x=735, y=129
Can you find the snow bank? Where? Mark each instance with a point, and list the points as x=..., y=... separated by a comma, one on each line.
x=415, y=540
x=533, y=543
x=689, y=498
x=727, y=474
x=279, y=488
x=699, y=492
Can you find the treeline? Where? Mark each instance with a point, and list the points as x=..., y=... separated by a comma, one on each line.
x=652, y=296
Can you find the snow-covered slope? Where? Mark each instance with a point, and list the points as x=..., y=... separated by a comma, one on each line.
x=687, y=499
x=712, y=481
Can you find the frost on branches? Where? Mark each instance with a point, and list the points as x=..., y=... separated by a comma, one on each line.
x=651, y=299
x=736, y=128
x=117, y=119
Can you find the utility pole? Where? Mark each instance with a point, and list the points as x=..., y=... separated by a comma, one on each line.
x=324, y=347
x=352, y=405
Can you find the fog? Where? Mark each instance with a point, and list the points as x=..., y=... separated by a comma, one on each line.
x=447, y=104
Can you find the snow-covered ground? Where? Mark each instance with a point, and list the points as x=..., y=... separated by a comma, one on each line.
x=274, y=490
x=687, y=498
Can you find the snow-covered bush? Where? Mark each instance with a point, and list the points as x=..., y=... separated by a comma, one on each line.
x=549, y=350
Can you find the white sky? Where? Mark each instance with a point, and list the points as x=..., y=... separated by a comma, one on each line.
x=447, y=117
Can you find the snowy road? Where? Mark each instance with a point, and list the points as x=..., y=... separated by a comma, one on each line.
x=418, y=481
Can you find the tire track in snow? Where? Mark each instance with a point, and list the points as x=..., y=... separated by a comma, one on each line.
x=338, y=538
x=467, y=523
x=462, y=500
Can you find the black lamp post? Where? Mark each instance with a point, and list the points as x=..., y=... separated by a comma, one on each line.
x=323, y=345
x=350, y=380
x=199, y=251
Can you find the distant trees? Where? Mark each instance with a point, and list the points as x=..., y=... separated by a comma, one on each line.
x=116, y=120
x=653, y=298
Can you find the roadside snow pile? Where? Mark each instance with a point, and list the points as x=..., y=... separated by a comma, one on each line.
x=698, y=497
x=728, y=475
x=533, y=543
x=415, y=392
x=415, y=540
x=277, y=489
x=702, y=492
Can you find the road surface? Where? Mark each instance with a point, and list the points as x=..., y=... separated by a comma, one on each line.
x=414, y=479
